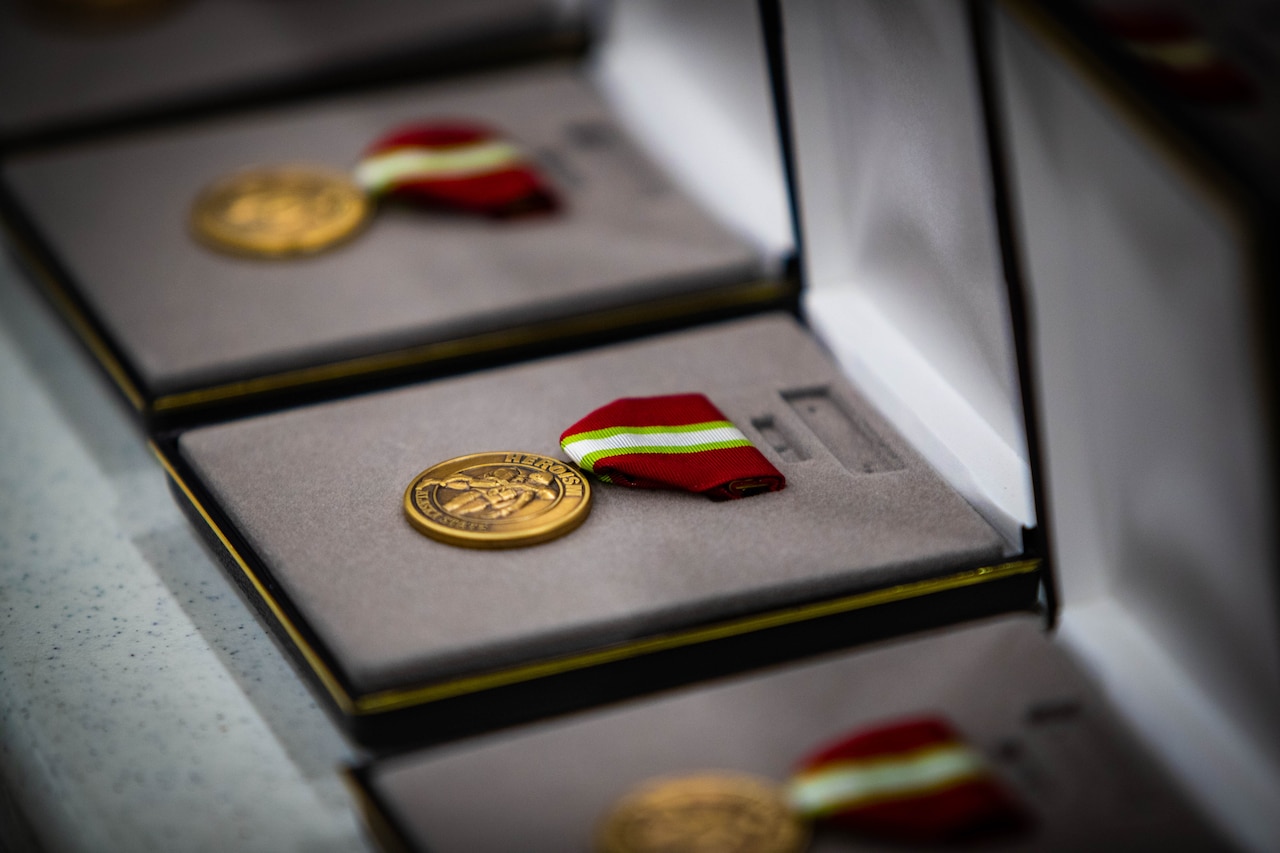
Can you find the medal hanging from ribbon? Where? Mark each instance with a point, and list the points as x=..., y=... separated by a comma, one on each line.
x=294, y=210
x=680, y=441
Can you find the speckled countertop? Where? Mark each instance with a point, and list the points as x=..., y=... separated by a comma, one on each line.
x=142, y=707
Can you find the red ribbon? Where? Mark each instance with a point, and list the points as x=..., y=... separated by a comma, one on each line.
x=913, y=780
x=456, y=165
x=679, y=441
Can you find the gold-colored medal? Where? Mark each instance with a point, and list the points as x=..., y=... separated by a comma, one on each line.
x=279, y=211
x=498, y=500
x=714, y=812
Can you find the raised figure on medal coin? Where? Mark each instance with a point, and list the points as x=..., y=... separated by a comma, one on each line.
x=500, y=493
x=497, y=499
x=284, y=209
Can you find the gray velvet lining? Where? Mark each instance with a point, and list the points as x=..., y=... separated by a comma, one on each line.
x=318, y=493
x=187, y=317
x=1014, y=695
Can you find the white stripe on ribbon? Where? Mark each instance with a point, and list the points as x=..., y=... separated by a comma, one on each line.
x=379, y=171
x=845, y=784
x=627, y=440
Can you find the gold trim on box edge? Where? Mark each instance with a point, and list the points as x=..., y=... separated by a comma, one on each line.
x=312, y=657
x=372, y=814
x=755, y=292
x=762, y=290
x=394, y=699
x=399, y=698
x=80, y=325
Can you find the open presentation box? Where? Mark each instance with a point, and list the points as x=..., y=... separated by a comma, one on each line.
x=1015, y=696
x=1145, y=717
x=909, y=503
x=68, y=68
x=673, y=209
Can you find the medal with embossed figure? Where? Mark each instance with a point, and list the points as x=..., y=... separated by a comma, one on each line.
x=498, y=500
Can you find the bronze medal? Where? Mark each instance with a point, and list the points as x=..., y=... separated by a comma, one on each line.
x=714, y=812
x=279, y=211
x=498, y=500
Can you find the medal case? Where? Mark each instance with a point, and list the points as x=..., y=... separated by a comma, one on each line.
x=1139, y=712
x=71, y=68
x=647, y=237
x=1046, y=731
x=411, y=638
